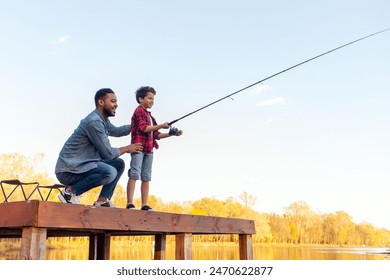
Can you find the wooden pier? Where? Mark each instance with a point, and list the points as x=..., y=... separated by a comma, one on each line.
x=34, y=221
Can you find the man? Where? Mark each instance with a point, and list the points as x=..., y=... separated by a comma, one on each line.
x=87, y=159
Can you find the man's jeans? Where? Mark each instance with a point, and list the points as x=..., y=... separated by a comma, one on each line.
x=107, y=173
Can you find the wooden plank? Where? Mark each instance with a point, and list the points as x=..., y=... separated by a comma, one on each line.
x=18, y=214
x=245, y=247
x=183, y=249
x=160, y=241
x=33, y=244
x=57, y=215
x=10, y=233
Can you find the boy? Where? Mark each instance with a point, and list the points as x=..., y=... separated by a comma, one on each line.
x=144, y=130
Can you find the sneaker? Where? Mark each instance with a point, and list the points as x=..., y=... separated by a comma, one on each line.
x=106, y=203
x=68, y=197
x=130, y=206
x=146, y=208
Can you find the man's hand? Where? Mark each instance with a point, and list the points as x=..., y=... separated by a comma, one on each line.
x=133, y=148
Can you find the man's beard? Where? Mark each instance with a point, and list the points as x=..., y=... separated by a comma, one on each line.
x=108, y=112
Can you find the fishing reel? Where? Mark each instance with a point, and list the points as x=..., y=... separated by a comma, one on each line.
x=173, y=131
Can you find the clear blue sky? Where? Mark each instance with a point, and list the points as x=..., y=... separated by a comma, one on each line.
x=318, y=133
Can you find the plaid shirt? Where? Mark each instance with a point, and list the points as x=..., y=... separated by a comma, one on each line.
x=139, y=121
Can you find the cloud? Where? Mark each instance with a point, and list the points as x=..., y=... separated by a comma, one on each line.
x=56, y=44
x=61, y=40
x=272, y=102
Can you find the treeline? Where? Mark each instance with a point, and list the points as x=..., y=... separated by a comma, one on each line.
x=299, y=224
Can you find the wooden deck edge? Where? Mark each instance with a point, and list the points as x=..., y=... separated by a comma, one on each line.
x=53, y=215
x=19, y=214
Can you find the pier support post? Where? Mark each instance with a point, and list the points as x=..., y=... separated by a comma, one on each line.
x=160, y=241
x=99, y=246
x=33, y=243
x=183, y=246
x=245, y=245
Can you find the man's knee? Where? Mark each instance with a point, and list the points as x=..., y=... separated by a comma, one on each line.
x=120, y=165
x=109, y=174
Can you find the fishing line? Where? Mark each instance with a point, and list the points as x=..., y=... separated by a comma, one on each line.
x=278, y=73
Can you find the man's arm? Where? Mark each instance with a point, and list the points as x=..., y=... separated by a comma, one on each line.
x=119, y=131
x=98, y=137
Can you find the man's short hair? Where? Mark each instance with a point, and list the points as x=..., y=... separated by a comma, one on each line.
x=101, y=93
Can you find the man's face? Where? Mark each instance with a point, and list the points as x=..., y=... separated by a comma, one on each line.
x=109, y=105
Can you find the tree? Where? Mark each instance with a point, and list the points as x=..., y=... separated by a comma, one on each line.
x=23, y=168
x=367, y=234
x=248, y=199
x=338, y=228
x=300, y=216
x=26, y=169
x=280, y=228
x=210, y=206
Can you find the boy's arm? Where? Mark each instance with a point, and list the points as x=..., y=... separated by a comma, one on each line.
x=163, y=135
x=151, y=128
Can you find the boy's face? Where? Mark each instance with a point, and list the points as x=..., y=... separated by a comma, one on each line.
x=148, y=101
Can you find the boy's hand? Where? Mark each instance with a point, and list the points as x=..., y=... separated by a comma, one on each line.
x=179, y=133
x=175, y=131
x=164, y=125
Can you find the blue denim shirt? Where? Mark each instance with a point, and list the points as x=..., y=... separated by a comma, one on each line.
x=89, y=144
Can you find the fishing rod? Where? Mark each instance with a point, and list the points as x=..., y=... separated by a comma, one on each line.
x=278, y=73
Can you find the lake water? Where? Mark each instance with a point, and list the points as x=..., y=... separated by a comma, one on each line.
x=224, y=252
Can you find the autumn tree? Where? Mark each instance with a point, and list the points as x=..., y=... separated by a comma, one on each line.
x=248, y=199
x=26, y=169
x=338, y=228
x=280, y=228
x=300, y=217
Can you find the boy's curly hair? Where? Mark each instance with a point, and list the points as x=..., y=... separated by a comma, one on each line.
x=143, y=91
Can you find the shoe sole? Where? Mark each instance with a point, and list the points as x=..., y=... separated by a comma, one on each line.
x=100, y=206
x=62, y=198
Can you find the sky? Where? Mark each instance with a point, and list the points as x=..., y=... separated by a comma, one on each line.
x=317, y=133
